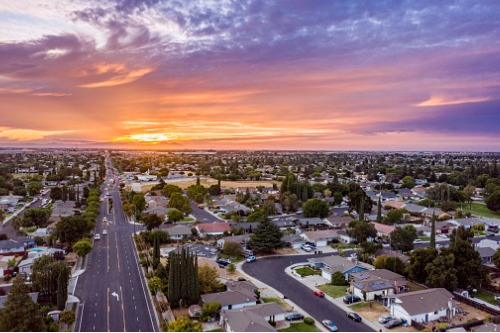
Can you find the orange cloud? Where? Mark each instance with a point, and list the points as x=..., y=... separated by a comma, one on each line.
x=437, y=101
x=122, y=76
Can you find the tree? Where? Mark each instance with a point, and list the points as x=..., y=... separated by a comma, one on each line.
x=34, y=188
x=82, y=248
x=356, y=196
x=139, y=203
x=183, y=280
x=155, y=284
x=419, y=259
x=20, y=313
x=62, y=289
x=338, y=279
x=174, y=215
x=361, y=231
x=496, y=258
x=442, y=273
x=315, y=208
x=337, y=198
x=393, y=264
x=470, y=271
x=232, y=248
x=257, y=216
x=269, y=208
x=493, y=201
x=152, y=221
x=36, y=217
x=67, y=317
x=209, y=280
x=469, y=192
x=180, y=202
x=393, y=216
x=210, y=309
x=50, y=278
x=231, y=268
x=266, y=237
x=184, y=324
x=408, y=182
x=402, y=238
x=379, y=211
x=433, y=231
x=56, y=193
x=170, y=189
x=72, y=228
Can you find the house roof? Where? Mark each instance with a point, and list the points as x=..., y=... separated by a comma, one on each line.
x=213, y=227
x=311, y=221
x=239, y=285
x=413, y=208
x=229, y=297
x=377, y=274
x=237, y=239
x=266, y=309
x=394, y=204
x=242, y=320
x=424, y=301
x=292, y=239
x=373, y=285
x=383, y=228
x=320, y=234
x=485, y=252
x=8, y=244
x=179, y=230
x=378, y=279
x=339, y=264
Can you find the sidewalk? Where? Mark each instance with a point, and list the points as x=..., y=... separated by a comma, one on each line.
x=268, y=291
x=313, y=281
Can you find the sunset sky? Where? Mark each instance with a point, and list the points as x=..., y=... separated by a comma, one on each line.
x=326, y=75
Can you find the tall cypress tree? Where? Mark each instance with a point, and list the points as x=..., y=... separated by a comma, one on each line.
x=379, y=211
x=433, y=231
x=362, y=209
x=62, y=290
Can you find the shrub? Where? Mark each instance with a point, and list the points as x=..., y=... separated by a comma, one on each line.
x=338, y=279
x=308, y=321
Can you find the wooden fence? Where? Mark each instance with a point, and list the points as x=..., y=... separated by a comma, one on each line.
x=477, y=305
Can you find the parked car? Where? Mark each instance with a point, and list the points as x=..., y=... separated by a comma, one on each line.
x=104, y=232
x=223, y=263
x=417, y=241
x=443, y=236
x=294, y=316
x=251, y=259
x=97, y=237
x=330, y=325
x=319, y=293
x=307, y=248
x=384, y=319
x=393, y=323
x=311, y=244
x=354, y=316
x=351, y=299
x=490, y=234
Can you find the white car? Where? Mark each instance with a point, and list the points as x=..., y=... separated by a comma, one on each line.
x=104, y=232
x=417, y=241
x=97, y=237
x=307, y=248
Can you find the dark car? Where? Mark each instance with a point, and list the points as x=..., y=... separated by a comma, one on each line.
x=294, y=316
x=354, y=316
x=223, y=263
x=393, y=323
x=319, y=293
x=311, y=244
x=351, y=299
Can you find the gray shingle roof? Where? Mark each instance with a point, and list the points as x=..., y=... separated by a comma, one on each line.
x=425, y=301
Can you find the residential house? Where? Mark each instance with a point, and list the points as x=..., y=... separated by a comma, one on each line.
x=179, y=231
x=387, y=252
x=423, y=306
x=320, y=237
x=240, y=239
x=10, y=247
x=383, y=230
x=231, y=299
x=239, y=285
x=375, y=284
x=394, y=204
x=486, y=254
x=332, y=264
x=294, y=241
x=339, y=222
x=213, y=229
x=244, y=321
x=344, y=237
x=311, y=222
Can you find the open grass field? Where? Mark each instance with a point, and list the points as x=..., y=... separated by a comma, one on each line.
x=333, y=291
x=480, y=209
x=299, y=327
x=207, y=182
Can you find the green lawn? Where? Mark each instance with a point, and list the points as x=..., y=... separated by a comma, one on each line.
x=486, y=296
x=306, y=271
x=414, y=287
x=359, y=306
x=333, y=291
x=275, y=300
x=187, y=219
x=300, y=327
x=216, y=330
x=425, y=238
x=480, y=209
x=233, y=258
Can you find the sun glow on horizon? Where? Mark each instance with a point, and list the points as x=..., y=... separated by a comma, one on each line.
x=153, y=138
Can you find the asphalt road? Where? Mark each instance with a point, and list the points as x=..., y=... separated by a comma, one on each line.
x=112, y=292
x=202, y=215
x=271, y=271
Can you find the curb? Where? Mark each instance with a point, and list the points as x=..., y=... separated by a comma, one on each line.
x=294, y=306
x=337, y=303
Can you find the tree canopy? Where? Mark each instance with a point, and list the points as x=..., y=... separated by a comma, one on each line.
x=266, y=237
x=315, y=208
x=402, y=238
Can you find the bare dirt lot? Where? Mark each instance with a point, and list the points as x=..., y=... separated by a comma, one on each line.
x=207, y=182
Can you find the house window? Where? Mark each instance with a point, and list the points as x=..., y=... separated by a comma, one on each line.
x=435, y=312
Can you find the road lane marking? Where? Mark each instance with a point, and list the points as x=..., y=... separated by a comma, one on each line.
x=117, y=253
x=107, y=300
x=123, y=311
